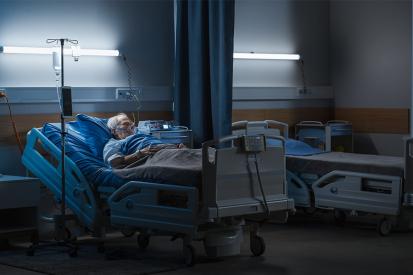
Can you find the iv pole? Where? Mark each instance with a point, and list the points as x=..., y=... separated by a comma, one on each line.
x=60, y=222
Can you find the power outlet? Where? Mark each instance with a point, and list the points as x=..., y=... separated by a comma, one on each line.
x=123, y=94
x=303, y=91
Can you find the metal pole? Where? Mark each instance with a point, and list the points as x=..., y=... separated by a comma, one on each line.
x=63, y=136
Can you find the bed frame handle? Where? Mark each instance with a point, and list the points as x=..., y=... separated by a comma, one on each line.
x=338, y=121
x=310, y=122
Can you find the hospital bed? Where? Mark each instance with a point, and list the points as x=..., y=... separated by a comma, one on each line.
x=347, y=183
x=236, y=183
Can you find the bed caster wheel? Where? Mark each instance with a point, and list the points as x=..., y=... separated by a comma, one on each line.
x=143, y=241
x=384, y=227
x=127, y=232
x=189, y=254
x=257, y=245
x=339, y=217
x=73, y=252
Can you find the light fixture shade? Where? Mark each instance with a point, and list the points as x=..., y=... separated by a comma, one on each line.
x=66, y=51
x=93, y=52
x=26, y=50
x=266, y=56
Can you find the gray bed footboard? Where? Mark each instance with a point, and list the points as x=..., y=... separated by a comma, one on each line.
x=231, y=185
x=363, y=192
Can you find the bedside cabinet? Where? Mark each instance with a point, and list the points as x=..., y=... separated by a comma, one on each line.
x=19, y=201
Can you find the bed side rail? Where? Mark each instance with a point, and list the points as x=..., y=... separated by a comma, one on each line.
x=338, y=121
x=310, y=122
x=298, y=190
x=364, y=192
x=408, y=172
x=79, y=196
x=159, y=206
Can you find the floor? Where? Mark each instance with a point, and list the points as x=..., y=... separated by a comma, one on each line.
x=303, y=246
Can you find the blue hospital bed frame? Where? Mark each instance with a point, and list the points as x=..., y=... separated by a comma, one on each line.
x=215, y=214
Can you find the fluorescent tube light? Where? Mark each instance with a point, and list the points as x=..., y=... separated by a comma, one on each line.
x=266, y=56
x=93, y=52
x=66, y=51
x=26, y=50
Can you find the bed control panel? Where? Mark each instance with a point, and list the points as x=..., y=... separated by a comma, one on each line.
x=148, y=126
x=254, y=143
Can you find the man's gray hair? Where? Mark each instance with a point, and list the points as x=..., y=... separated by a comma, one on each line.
x=114, y=121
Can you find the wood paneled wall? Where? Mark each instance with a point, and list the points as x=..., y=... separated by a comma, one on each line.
x=365, y=120
x=26, y=122
x=376, y=120
x=289, y=116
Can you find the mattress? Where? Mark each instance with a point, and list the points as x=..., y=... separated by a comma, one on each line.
x=324, y=163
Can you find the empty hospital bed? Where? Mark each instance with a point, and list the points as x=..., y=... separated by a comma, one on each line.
x=235, y=183
x=347, y=183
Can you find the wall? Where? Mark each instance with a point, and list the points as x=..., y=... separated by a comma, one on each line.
x=371, y=44
x=263, y=86
x=141, y=30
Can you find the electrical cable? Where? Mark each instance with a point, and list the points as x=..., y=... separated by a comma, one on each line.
x=267, y=209
x=303, y=74
x=131, y=89
x=16, y=134
x=138, y=103
x=58, y=96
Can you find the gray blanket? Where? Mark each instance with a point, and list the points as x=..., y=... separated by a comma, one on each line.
x=324, y=163
x=174, y=166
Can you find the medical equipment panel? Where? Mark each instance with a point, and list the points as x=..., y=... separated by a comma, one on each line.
x=335, y=135
x=167, y=132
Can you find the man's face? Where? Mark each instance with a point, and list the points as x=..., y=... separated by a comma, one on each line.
x=125, y=128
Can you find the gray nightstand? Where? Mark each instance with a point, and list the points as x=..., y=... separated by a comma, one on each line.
x=19, y=201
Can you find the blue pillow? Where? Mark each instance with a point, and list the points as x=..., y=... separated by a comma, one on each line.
x=78, y=151
x=95, y=131
x=295, y=147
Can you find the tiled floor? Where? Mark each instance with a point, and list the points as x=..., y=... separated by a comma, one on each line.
x=303, y=246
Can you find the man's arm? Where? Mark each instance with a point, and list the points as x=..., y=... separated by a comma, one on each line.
x=123, y=161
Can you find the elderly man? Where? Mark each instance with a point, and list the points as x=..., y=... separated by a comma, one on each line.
x=123, y=129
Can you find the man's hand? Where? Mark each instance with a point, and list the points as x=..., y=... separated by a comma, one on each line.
x=150, y=150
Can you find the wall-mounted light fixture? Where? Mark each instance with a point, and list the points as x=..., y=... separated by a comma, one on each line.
x=66, y=51
x=276, y=56
x=266, y=56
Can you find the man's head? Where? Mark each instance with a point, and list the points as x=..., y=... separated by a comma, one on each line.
x=121, y=126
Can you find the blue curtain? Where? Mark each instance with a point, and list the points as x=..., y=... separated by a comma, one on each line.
x=203, y=67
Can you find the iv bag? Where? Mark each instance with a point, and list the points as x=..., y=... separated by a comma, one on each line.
x=57, y=65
